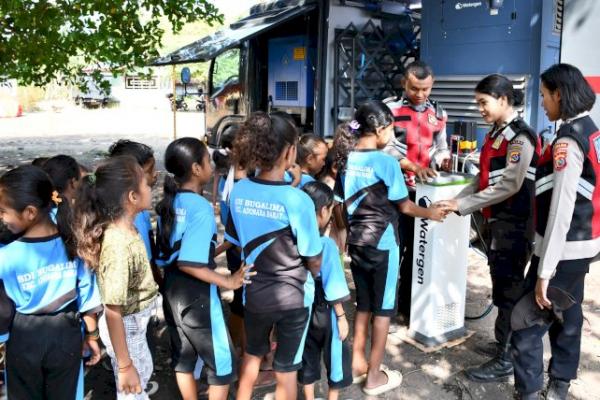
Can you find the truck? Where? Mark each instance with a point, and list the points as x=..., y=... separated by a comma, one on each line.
x=318, y=59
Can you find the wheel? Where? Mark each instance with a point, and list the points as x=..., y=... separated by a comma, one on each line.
x=184, y=106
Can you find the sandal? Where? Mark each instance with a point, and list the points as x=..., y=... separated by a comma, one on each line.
x=363, y=377
x=394, y=381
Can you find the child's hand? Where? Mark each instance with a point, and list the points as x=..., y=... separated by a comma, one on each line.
x=240, y=277
x=437, y=213
x=343, y=328
x=128, y=381
x=296, y=173
x=91, y=345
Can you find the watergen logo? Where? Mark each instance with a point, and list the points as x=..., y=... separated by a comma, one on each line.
x=423, y=229
x=462, y=6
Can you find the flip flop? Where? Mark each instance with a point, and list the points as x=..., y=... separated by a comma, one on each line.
x=394, y=381
x=361, y=378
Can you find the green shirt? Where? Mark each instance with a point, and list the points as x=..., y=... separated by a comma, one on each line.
x=124, y=274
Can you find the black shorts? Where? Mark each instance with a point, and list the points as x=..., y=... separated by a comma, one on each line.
x=198, y=330
x=323, y=339
x=290, y=326
x=375, y=275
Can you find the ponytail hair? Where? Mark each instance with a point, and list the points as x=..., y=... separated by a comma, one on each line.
x=369, y=117
x=180, y=155
x=101, y=200
x=62, y=169
x=497, y=85
x=31, y=186
x=306, y=146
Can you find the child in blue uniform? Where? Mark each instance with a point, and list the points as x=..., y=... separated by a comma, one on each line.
x=187, y=234
x=105, y=206
x=64, y=173
x=275, y=225
x=312, y=151
x=371, y=188
x=328, y=328
x=50, y=288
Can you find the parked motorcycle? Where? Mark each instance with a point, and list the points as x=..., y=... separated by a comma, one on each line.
x=177, y=104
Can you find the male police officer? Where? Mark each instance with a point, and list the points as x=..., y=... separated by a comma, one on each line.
x=420, y=144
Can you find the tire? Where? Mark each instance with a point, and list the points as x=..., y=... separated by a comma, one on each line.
x=184, y=106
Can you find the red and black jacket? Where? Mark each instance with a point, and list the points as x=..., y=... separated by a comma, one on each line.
x=585, y=222
x=416, y=131
x=492, y=163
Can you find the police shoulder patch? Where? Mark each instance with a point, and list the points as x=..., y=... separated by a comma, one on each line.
x=560, y=156
x=515, y=157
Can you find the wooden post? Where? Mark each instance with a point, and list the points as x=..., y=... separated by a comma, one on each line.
x=173, y=105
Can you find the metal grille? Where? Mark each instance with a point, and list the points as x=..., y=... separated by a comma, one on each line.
x=456, y=95
x=447, y=316
x=286, y=90
x=369, y=59
x=558, y=16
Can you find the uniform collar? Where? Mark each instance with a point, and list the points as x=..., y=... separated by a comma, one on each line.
x=418, y=108
x=580, y=115
x=496, y=130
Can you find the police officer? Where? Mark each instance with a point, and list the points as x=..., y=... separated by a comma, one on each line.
x=505, y=190
x=419, y=143
x=567, y=232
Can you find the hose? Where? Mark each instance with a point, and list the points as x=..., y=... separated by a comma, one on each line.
x=491, y=305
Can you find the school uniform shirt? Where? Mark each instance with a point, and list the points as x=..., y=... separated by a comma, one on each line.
x=124, y=275
x=193, y=239
x=143, y=224
x=275, y=224
x=372, y=185
x=332, y=273
x=40, y=279
x=304, y=179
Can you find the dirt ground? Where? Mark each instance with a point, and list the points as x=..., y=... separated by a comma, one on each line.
x=86, y=135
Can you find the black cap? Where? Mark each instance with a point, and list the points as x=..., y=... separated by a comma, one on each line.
x=527, y=313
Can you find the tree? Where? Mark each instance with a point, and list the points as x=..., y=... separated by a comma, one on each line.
x=46, y=40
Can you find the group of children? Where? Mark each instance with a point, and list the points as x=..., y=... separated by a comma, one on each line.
x=82, y=261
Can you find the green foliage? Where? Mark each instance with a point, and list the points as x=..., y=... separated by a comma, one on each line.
x=46, y=40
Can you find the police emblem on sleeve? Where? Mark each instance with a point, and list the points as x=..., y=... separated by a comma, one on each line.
x=515, y=157
x=560, y=156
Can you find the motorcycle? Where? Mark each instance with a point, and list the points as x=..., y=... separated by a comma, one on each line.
x=177, y=103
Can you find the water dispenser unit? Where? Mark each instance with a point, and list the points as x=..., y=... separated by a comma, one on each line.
x=291, y=75
x=439, y=266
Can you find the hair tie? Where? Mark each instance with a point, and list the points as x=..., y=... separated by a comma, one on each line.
x=56, y=198
x=354, y=125
x=91, y=178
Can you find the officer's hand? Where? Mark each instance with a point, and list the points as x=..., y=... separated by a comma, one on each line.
x=343, y=328
x=541, y=298
x=424, y=173
x=446, y=164
x=450, y=205
x=437, y=213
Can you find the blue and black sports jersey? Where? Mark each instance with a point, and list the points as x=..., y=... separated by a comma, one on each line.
x=193, y=241
x=304, y=179
x=276, y=226
x=40, y=279
x=332, y=275
x=371, y=185
x=53, y=212
x=143, y=224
